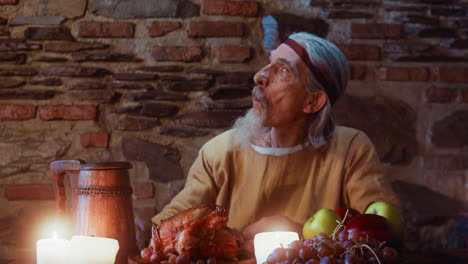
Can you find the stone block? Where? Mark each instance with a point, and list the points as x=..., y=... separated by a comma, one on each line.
x=132, y=85
x=460, y=44
x=132, y=123
x=182, y=131
x=162, y=161
x=28, y=192
x=46, y=33
x=94, y=140
x=365, y=52
x=452, y=74
x=98, y=96
x=289, y=23
x=51, y=59
x=130, y=76
x=161, y=68
x=358, y=72
x=127, y=109
x=4, y=33
x=406, y=47
x=158, y=110
x=156, y=95
x=230, y=105
x=88, y=86
x=74, y=71
x=377, y=31
x=11, y=83
x=440, y=95
x=447, y=12
x=177, y=53
x=464, y=95
x=216, y=29
x=451, y=131
x=27, y=94
x=47, y=82
x=17, y=71
x=447, y=162
x=235, y=78
x=143, y=8
x=17, y=112
x=208, y=119
x=106, y=57
x=418, y=19
x=37, y=20
x=67, y=112
x=72, y=46
x=94, y=29
x=230, y=8
x=8, y=2
x=185, y=85
x=405, y=74
x=230, y=92
x=340, y=14
x=18, y=58
x=447, y=183
x=438, y=33
x=232, y=54
x=143, y=190
x=431, y=58
x=161, y=28
x=17, y=45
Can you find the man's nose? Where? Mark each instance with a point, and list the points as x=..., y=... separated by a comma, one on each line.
x=261, y=77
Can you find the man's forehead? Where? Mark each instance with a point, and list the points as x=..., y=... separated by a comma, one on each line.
x=285, y=52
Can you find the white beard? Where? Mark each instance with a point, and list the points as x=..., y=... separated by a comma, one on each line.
x=248, y=127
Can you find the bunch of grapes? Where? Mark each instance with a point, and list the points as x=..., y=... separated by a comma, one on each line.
x=158, y=257
x=347, y=248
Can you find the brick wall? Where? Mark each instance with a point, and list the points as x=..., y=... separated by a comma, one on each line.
x=104, y=81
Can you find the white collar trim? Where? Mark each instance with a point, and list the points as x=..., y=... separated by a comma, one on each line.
x=278, y=151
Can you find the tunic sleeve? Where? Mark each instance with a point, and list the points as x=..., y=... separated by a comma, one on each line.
x=199, y=188
x=364, y=181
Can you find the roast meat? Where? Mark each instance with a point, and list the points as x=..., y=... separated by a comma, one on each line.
x=199, y=232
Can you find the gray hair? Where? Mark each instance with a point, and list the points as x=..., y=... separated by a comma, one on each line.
x=332, y=65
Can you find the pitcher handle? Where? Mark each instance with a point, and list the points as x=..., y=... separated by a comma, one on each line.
x=58, y=170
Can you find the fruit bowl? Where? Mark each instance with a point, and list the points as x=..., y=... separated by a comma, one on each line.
x=137, y=259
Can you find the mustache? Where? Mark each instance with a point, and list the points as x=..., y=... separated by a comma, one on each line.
x=257, y=93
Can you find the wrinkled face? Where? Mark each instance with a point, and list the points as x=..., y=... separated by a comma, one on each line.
x=282, y=83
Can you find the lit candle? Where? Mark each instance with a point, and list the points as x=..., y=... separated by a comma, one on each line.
x=95, y=250
x=52, y=251
x=266, y=242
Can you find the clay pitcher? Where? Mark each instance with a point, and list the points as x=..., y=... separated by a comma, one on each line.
x=104, y=205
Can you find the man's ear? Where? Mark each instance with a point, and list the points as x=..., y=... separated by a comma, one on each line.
x=314, y=102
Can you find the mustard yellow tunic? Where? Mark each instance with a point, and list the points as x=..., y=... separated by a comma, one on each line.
x=251, y=185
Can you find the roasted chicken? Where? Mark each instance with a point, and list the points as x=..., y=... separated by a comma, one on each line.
x=198, y=232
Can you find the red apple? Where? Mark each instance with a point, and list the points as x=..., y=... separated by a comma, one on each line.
x=351, y=213
x=370, y=226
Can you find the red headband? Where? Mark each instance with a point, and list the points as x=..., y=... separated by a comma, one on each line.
x=301, y=51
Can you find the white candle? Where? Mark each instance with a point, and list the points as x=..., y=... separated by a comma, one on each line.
x=265, y=243
x=95, y=250
x=52, y=251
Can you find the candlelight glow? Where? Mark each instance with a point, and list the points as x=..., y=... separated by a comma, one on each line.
x=266, y=242
x=52, y=250
x=98, y=250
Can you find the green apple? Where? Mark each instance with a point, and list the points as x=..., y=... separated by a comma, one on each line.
x=392, y=214
x=324, y=220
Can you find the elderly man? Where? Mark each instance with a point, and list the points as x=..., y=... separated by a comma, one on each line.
x=285, y=159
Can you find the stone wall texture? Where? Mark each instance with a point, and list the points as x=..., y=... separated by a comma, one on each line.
x=151, y=81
